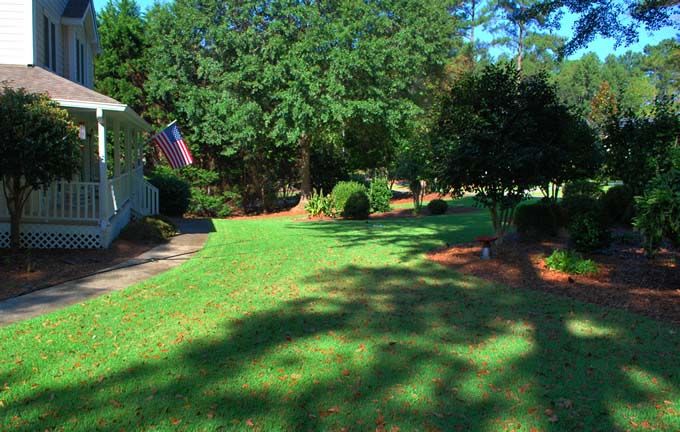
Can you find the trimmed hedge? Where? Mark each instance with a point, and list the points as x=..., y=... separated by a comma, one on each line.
x=437, y=206
x=357, y=206
x=342, y=191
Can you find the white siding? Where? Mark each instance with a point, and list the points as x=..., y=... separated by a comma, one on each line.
x=16, y=46
x=52, y=9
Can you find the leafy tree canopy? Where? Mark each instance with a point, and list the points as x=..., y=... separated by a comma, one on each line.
x=39, y=145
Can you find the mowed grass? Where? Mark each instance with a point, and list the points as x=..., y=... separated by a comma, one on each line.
x=286, y=325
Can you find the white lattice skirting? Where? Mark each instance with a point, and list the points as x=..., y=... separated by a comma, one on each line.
x=48, y=236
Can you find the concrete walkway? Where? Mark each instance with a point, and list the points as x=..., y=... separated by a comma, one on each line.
x=193, y=234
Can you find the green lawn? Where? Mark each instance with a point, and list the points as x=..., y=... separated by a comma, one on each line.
x=284, y=325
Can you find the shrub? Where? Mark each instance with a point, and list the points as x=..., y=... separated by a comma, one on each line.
x=437, y=206
x=576, y=206
x=658, y=211
x=357, y=206
x=581, y=188
x=150, y=229
x=174, y=192
x=570, y=262
x=379, y=194
x=537, y=220
x=618, y=205
x=204, y=205
x=319, y=204
x=341, y=193
x=588, y=233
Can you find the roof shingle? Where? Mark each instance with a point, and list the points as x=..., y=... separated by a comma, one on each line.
x=38, y=80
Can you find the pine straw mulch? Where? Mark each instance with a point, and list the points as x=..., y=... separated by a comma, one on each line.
x=626, y=278
x=23, y=272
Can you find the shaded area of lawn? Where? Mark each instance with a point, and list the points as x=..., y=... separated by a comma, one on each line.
x=280, y=325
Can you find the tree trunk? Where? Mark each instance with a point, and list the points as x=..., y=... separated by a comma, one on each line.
x=520, y=48
x=15, y=230
x=305, y=171
x=16, y=196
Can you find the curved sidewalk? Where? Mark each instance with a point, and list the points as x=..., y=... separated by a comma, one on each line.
x=192, y=237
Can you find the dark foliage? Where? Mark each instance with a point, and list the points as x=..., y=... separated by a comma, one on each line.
x=619, y=204
x=151, y=229
x=588, y=233
x=437, y=206
x=537, y=220
x=174, y=192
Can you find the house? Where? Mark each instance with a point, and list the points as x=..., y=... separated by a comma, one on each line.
x=48, y=46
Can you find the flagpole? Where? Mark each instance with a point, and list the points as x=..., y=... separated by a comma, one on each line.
x=157, y=133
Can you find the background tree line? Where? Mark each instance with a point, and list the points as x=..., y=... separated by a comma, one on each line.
x=276, y=97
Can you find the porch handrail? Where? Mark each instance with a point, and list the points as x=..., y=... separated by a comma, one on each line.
x=62, y=200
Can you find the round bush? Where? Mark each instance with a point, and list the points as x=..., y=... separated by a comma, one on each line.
x=437, y=206
x=342, y=191
x=173, y=191
x=379, y=194
x=588, y=233
x=537, y=220
x=357, y=206
x=619, y=204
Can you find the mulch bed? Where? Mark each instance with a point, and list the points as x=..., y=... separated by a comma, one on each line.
x=23, y=272
x=626, y=278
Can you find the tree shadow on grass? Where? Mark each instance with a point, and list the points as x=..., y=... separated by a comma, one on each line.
x=416, y=347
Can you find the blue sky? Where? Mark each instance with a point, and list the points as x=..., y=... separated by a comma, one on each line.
x=603, y=47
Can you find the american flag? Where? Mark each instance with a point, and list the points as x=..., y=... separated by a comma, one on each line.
x=173, y=146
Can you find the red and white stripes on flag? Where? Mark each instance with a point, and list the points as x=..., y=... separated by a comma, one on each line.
x=173, y=146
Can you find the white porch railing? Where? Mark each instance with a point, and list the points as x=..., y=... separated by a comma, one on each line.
x=61, y=201
x=79, y=201
x=145, y=198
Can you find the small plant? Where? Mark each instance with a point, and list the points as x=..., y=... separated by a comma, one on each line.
x=341, y=193
x=570, y=262
x=358, y=206
x=319, y=204
x=588, y=233
x=379, y=194
x=150, y=229
x=537, y=220
x=437, y=206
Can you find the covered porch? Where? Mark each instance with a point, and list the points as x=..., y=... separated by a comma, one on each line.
x=89, y=210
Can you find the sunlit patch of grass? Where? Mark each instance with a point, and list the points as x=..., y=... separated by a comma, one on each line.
x=587, y=329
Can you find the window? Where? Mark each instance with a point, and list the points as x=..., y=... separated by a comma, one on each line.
x=80, y=62
x=49, y=44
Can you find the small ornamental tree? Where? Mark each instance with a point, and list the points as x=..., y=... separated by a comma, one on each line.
x=493, y=136
x=39, y=145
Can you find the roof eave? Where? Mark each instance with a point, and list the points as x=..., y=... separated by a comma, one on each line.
x=136, y=118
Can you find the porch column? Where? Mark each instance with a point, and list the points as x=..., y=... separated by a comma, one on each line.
x=116, y=150
x=103, y=174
